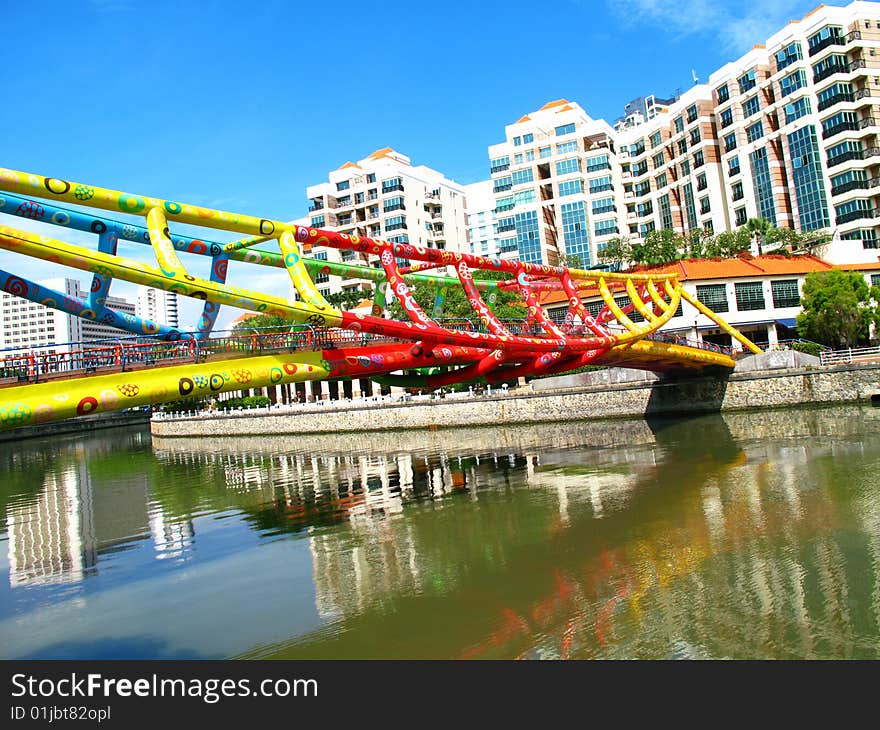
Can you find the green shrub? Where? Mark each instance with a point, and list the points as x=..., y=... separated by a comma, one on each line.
x=810, y=348
x=251, y=401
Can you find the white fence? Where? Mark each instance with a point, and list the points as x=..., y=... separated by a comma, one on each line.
x=851, y=354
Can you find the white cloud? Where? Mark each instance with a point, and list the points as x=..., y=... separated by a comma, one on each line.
x=737, y=25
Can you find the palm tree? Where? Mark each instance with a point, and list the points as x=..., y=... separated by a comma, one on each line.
x=759, y=228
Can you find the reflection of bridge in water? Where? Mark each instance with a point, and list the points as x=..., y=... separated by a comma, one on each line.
x=732, y=523
x=423, y=351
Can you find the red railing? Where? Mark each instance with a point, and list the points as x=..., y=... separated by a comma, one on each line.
x=79, y=358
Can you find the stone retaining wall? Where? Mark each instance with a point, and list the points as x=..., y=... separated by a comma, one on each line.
x=841, y=384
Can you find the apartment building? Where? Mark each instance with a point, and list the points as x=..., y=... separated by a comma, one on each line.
x=480, y=205
x=558, y=185
x=798, y=125
x=157, y=306
x=788, y=132
x=27, y=324
x=384, y=196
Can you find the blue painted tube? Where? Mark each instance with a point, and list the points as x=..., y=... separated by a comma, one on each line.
x=107, y=243
x=106, y=228
x=27, y=289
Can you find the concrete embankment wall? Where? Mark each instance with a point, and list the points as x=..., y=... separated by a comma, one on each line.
x=741, y=391
x=83, y=424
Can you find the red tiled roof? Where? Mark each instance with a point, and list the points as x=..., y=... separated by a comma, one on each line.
x=735, y=268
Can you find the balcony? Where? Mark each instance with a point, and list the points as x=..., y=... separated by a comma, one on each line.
x=499, y=168
x=738, y=195
x=392, y=188
x=846, y=156
x=856, y=35
x=832, y=40
x=502, y=188
x=843, y=68
x=856, y=215
x=836, y=99
x=316, y=206
x=603, y=209
x=855, y=185
x=849, y=126
x=733, y=171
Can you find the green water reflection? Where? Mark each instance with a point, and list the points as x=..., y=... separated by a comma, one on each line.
x=746, y=535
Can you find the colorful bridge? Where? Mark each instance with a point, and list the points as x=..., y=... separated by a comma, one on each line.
x=331, y=343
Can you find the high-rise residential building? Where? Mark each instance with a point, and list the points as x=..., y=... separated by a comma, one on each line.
x=558, y=185
x=27, y=324
x=481, y=235
x=789, y=132
x=384, y=196
x=157, y=306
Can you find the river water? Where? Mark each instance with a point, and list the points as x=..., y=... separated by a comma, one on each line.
x=738, y=536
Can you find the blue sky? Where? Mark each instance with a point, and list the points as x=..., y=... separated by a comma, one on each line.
x=240, y=106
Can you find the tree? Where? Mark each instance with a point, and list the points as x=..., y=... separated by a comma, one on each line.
x=507, y=303
x=348, y=298
x=728, y=244
x=659, y=247
x=617, y=252
x=260, y=321
x=759, y=228
x=839, y=308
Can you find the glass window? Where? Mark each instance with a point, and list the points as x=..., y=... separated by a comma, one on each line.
x=517, y=141
x=600, y=184
x=564, y=167
x=527, y=138
x=730, y=142
x=544, y=152
x=726, y=117
x=713, y=296
x=699, y=161
x=565, y=129
x=740, y=216
x=655, y=139
x=565, y=147
x=499, y=164
x=797, y=109
x=594, y=164
x=679, y=125
x=788, y=56
x=344, y=185
x=522, y=176
x=750, y=106
x=603, y=228
x=723, y=93
x=395, y=203
x=517, y=159
x=603, y=205
x=749, y=295
x=695, y=136
x=570, y=187
x=747, y=81
x=661, y=180
x=756, y=131
x=317, y=221
x=793, y=82
x=785, y=293
x=658, y=160
x=692, y=113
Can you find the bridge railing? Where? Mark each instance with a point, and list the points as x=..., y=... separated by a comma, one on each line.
x=79, y=358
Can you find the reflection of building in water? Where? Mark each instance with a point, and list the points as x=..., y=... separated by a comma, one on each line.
x=51, y=539
x=171, y=539
x=57, y=536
